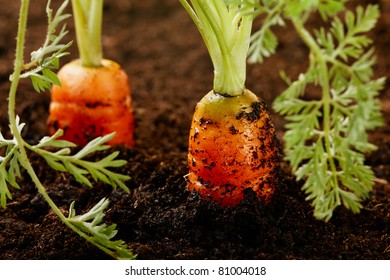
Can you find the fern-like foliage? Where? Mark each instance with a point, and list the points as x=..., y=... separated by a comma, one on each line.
x=88, y=225
x=77, y=165
x=97, y=232
x=46, y=59
x=326, y=139
x=9, y=171
x=9, y=166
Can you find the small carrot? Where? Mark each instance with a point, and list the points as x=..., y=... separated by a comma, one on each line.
x=232, y=143
x=94, y=98
x=233, y=149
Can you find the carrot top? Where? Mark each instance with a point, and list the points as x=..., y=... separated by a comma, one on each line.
x=226, y=33
x=88, y=20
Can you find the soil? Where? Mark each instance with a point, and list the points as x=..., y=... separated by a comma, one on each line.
x=161, y=50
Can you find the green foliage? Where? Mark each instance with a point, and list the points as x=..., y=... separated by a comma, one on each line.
x=55, y=151
x=76, y=165
x=9, y=166
x=97, y=232
x=294, y=9
x=46, y=59
x=264, y=42
x=88, y=225
x=326, y=138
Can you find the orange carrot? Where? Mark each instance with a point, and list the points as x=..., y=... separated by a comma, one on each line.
x=94, y=98
x=233, y=149
x=232, y=143
x=92, y=101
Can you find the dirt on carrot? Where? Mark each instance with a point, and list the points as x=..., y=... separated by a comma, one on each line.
x=233, y=147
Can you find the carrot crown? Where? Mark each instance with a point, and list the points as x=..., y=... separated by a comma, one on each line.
x=88, y=20
x=226, y=33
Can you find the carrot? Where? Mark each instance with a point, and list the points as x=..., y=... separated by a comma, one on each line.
x=232, y=150
x=92, y=101
x=232, y=143
x=94, y=98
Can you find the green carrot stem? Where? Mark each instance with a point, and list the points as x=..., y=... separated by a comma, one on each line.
x=88, y=16
x=226, y=34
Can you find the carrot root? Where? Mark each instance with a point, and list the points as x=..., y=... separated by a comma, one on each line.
x=92, y=102
x=232, y=149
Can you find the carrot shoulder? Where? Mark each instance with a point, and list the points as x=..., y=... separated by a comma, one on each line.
x=232, y=149
x=91, y=102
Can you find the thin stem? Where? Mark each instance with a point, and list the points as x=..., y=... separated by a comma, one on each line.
x=326, y=94
x=20, y=39
x=88, y=20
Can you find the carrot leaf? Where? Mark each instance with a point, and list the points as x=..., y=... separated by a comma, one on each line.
x=98, y=233
x=62, y=160
x=9, y=165
x=329, y=155
x=9, y=171
x=46, y=59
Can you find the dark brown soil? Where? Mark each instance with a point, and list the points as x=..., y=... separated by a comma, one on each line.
x=169, y=69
